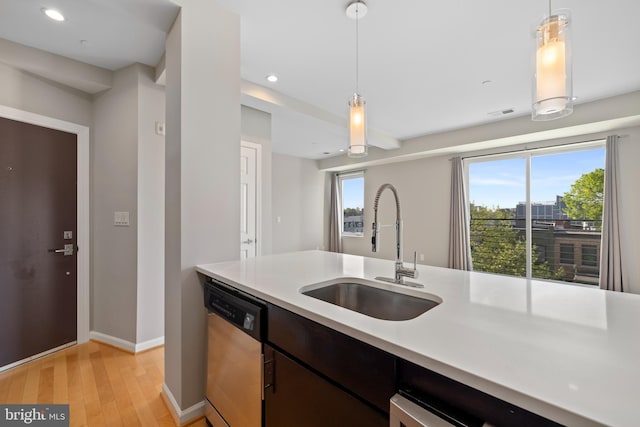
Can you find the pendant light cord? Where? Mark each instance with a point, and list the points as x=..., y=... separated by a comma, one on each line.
x=357, y=58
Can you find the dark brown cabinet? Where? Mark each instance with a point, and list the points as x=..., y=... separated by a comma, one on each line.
x=298, y=397
x=322, y=377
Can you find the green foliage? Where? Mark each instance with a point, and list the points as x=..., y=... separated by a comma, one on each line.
x=584, y=200
x=497, y=247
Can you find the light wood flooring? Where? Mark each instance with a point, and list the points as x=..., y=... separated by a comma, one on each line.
x=104, y=386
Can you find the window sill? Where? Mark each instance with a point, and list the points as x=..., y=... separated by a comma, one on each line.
x=352, y=234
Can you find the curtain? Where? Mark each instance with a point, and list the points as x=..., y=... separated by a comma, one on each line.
x=459, y=242
x=610, y=247
x=335, y=216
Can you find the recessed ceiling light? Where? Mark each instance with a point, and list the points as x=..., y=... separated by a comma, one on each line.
x=341, y=150
x=272, y=78
x=53, y=14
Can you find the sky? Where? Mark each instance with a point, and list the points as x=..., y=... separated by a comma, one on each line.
x=353, y=193
x=501, y=183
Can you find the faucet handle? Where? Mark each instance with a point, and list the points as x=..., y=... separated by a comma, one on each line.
x=415, y=260
x=374, y=237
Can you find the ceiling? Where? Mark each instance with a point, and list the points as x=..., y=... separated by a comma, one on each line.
x=425, y=67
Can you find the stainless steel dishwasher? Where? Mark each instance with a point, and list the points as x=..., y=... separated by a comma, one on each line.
x=407, y=411
x=234, y=392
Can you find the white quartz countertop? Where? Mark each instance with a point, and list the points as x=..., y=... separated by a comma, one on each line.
x=567, y=352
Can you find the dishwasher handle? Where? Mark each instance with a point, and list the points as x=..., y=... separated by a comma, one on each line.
x=404, y=412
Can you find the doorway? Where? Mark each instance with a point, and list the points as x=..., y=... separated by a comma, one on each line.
x=250, y=199
x=42, y=288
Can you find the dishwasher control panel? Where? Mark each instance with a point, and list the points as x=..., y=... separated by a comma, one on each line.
x=237, y=308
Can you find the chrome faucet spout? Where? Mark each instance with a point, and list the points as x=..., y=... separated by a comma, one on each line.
x=375, y=232
x=400, y=271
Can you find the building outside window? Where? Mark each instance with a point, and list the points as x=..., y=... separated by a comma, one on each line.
x=352, y=188
x=538, y=213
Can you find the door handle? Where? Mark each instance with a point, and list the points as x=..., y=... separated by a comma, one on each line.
x=247, y=242
x=66, y=251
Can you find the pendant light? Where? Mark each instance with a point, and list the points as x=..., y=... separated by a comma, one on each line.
x=553, y=80
x=357, y=111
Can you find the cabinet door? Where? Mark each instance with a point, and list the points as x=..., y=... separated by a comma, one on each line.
x=299, y=397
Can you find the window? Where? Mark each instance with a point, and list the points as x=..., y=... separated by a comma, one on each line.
x=589, y=256
x=352, y=187
x=566, y=253
x=530, y=209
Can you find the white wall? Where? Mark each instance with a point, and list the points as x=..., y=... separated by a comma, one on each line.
x=298, y=204
x=114, y=188
x=256, y=128
x=423, y=190
x=150, y=300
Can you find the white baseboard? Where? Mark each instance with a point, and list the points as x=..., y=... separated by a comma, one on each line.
x=116, y=342
x=146, y=345
x=179, y=416
x=124, y=344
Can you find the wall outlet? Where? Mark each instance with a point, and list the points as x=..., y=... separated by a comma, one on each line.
x=421, y=257
x=121, y=219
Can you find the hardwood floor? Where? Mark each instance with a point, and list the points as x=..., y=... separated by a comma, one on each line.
x=104, y=386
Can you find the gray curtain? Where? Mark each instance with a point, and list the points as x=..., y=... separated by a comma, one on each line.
x=610, y=248
x=335, y=216
x=459, y=242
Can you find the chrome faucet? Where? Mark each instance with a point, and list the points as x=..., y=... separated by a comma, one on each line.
x=401, y=271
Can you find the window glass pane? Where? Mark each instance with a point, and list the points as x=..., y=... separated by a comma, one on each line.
x=497, y=241
x=566, y=213
x=353, y=204
x=566, y=196
x=589, y=256
x=566, y=253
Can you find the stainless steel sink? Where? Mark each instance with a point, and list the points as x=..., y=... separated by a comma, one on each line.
x=372, y=301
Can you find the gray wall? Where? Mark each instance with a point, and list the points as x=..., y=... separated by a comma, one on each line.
x=256, y=128
x=128, y=175
x=27, y=92
x=424, y=190
x=114, y=188
x=629, y=204
x=298, y=204
x=202, y=197
x=151, y=109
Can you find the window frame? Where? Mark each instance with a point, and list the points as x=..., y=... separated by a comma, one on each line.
x=341, y=178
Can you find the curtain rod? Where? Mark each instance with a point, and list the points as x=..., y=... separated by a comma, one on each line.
x=521, y=150
x=351, y=172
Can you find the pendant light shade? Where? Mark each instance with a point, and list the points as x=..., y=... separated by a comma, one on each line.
x=357, y=127
x=553, y=80
x=357, y=111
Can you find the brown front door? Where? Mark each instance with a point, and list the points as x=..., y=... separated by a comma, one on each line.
x=38, y=170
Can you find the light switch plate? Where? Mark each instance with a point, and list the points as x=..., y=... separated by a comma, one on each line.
x=160, y=128
x=121, y=219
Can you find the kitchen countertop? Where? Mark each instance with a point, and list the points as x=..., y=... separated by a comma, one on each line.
x=567, y=352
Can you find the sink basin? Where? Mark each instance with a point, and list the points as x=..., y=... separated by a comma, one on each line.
x=372, y=301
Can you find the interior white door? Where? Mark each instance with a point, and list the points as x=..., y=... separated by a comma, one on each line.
x=248, y=201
